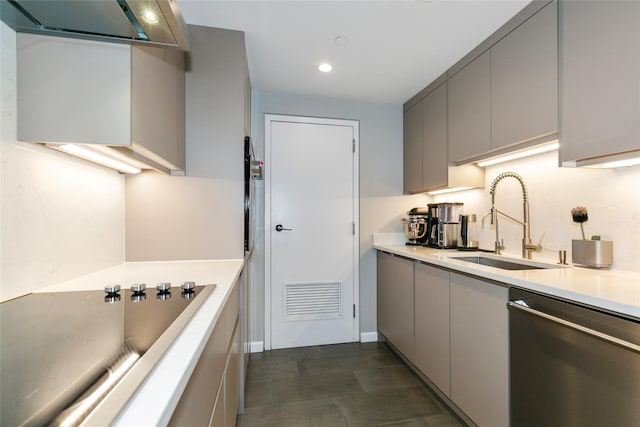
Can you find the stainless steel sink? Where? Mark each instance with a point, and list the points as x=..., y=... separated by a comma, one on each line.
x=503, y=264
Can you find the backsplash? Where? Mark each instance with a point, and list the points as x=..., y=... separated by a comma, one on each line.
x=612, y=197
x=60, y=217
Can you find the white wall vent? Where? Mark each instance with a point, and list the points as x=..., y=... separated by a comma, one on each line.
x=312, y=301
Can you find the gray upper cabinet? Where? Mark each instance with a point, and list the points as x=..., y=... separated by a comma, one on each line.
x=158, y=102
x=524, y=81
x=89, y=92
x=425, y=143
x=412, y=145
x=426, y=165
x=434, y=139
x=506, y=97
x=599, y=79
x=469, y=109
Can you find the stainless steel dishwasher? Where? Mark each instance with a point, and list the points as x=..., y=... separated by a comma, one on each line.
x=571, y=365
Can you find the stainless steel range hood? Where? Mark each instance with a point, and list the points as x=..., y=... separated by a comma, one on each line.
x=154, y=22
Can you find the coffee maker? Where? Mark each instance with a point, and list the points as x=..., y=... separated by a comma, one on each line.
x=448, y=217
x=432, y=226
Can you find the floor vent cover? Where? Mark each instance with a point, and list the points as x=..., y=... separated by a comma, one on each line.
x=312, y=301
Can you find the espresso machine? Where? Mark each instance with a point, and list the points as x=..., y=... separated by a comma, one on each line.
x=448, y=224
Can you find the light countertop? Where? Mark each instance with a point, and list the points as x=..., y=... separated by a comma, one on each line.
x=148, y=394
x=612, y=290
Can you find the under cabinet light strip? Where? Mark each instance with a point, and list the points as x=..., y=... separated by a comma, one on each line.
x=520, y=154
x=448, y=190
x=95, y=157
x=619, y=163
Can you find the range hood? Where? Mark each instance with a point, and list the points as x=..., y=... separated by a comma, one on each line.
x=151, y=22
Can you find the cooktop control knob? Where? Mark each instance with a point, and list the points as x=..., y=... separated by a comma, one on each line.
x=188, y=290
x=112, y=289
x=188, y=286
x=163, y=287
x=112, y=294
x=138, y=288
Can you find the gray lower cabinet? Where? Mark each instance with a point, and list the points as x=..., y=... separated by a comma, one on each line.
x=480, y=350
x=232, y=381
x=453, y=329
x=524, y=81
x=469, y=110
x=432, y=324
x=395, y=301
x=211, y=395
x=599, y=84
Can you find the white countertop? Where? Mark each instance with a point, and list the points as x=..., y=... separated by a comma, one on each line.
x=613, y=290
x=150, y=391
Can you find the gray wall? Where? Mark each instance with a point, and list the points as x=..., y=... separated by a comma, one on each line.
x=381, y=201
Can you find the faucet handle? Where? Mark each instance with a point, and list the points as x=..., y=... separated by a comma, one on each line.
x=535, y=247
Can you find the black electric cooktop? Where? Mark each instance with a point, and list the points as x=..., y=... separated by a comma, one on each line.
x=58, y=348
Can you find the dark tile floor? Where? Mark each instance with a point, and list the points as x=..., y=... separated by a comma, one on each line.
x=338, y=385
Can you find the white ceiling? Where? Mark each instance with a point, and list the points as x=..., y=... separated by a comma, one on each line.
x=395, y=47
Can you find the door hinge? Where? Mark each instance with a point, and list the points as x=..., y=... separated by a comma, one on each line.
x=353, y=228
x=354, y=311
x=354, y=145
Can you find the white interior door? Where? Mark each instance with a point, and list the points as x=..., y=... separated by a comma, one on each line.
x=311, y=227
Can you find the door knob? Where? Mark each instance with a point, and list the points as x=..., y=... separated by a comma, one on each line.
x=279, y=228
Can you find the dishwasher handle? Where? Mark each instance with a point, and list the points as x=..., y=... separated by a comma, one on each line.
x=521, y=305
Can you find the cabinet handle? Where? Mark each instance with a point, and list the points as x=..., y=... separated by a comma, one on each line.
x=521, y=305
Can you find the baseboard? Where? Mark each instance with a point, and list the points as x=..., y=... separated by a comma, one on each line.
x=256, y=346
x=369, y=337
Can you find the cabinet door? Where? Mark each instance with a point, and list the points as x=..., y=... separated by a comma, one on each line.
x=198, y=400
x=432, y=324
x=232, y=382
x=599, y=84
x=217, y=417
x=469, y=109
x=524, y=81
x=72, y=90
x=158, y=102
x=434, y=139
x=199, y=397
x=412, y=145
x=395, y=302
x=480, y=350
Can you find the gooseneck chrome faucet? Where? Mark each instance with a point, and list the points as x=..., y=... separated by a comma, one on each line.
x=527, y=246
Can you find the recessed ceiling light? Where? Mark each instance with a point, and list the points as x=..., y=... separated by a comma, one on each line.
x=325, y=68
